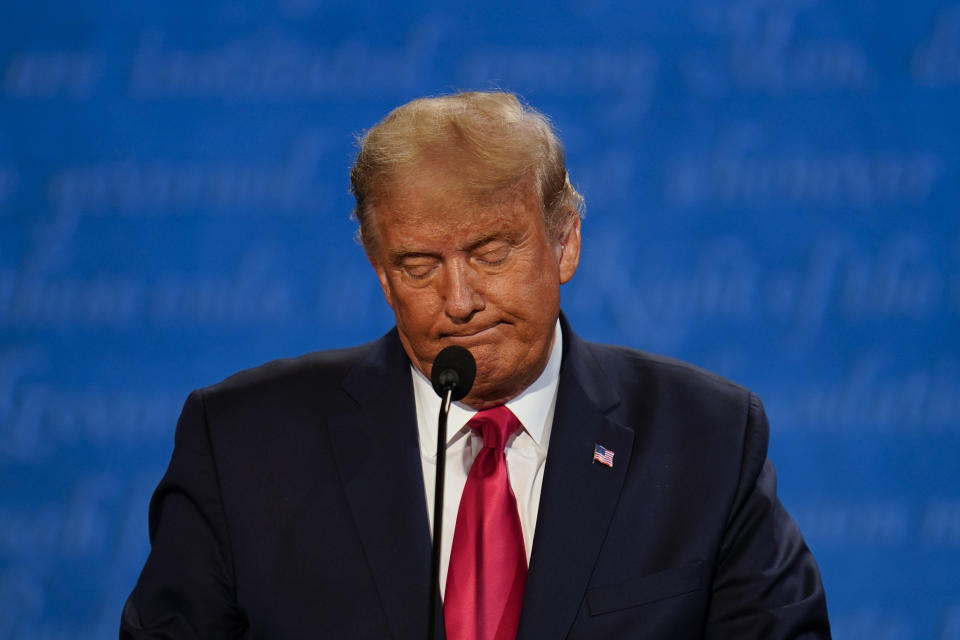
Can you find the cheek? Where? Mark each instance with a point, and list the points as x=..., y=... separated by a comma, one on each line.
x=415, y=308
x=532, y=295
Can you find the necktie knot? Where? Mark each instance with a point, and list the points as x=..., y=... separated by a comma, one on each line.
x=495, y=425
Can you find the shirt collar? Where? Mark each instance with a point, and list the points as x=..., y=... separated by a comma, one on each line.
x=533, y=406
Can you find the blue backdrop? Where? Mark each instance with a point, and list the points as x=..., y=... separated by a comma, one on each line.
x=772, y=193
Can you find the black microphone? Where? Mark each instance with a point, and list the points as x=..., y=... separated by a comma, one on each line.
x=453, y=369
x=452, y=376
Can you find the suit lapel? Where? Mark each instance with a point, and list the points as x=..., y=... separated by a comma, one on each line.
x=578, y=497
x=378, y=458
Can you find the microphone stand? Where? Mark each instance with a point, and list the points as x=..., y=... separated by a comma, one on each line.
x=438, y=509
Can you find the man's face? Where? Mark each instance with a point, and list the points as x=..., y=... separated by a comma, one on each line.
x=483, y=275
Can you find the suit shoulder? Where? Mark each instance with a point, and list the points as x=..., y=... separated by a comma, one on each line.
x=658, y=373
x=675, y=403
x=319, y=370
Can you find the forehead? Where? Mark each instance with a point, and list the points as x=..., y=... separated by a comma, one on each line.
x=442, y=207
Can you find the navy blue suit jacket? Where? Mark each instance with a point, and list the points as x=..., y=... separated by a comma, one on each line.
x=293, y=507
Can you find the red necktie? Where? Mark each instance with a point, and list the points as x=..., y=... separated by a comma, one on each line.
x=488, y=563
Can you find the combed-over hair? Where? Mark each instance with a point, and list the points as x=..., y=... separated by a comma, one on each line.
x=494, y=141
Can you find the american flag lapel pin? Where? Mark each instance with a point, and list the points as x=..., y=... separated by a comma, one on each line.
x=603, y=455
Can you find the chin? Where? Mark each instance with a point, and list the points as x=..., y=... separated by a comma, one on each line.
x=484, y=397
x=489, y=366
x=496, y=385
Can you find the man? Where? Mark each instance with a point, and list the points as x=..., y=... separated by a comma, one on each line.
x=626, y=495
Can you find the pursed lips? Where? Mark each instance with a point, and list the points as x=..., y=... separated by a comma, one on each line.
x=463, y=335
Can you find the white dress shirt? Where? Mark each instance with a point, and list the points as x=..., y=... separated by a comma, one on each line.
x=526, y=451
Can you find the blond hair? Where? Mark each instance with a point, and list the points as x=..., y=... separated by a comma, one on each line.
x=495, y=142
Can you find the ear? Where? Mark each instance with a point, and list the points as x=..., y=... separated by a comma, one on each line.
x=382, y=277
x=568, y=249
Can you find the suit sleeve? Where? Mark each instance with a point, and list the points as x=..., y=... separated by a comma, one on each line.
x=767, y=585
x=186, y=589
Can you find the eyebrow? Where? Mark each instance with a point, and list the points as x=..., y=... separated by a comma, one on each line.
x=486, y=239
x=400, y=253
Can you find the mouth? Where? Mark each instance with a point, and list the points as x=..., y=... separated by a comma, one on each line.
x=468, y=334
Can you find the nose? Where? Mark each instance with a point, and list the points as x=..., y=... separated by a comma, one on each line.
x=462, y=295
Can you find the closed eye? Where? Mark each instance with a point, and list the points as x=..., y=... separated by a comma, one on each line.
x=493, y=255
x=418, y=271
x=417, y=266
